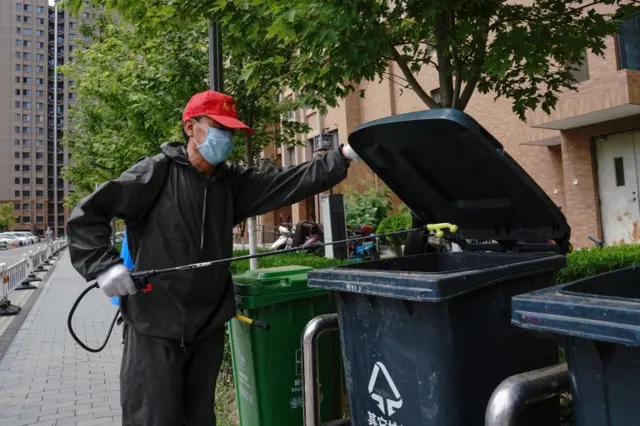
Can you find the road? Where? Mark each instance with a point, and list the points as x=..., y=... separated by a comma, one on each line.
x=12, y=256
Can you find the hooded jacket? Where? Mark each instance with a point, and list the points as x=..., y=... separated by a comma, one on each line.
x=188, y=217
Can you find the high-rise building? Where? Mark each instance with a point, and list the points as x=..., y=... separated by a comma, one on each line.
x=34, y=39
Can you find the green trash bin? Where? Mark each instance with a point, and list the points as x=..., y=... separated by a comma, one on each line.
x=267, y=364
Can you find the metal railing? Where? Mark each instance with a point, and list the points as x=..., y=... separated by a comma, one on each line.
x=265, y=235
x=20, y=275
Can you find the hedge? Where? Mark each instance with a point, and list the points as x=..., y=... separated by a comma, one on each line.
x=286, y=259
x=587, y=263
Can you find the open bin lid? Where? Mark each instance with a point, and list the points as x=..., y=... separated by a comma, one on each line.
x=447, y=168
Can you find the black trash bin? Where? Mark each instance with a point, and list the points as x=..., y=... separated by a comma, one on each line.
x=600, y=318
x=427, y=338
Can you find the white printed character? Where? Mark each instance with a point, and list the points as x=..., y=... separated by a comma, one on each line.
x=373, y=420
x=392, y=423
x=293, y=403
x=382, y=421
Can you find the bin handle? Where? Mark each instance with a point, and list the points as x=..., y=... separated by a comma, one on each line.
x=438, y=227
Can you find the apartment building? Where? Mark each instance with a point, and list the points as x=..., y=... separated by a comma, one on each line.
x=585, y=154
x=33, y=41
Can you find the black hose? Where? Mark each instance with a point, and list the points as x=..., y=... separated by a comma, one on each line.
x=70, y=320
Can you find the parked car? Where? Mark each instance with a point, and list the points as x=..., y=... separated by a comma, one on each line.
x=23, y=241
x=28, y=235
x=12, y=242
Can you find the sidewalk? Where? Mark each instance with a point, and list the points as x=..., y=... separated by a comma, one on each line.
x=46, y=379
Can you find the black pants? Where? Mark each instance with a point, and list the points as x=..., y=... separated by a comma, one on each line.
x=168, y=386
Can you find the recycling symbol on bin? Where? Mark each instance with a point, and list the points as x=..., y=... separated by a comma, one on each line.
x=392, y=405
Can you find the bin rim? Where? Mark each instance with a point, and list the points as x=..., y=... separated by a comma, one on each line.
x=447, y=168
x=595, y=317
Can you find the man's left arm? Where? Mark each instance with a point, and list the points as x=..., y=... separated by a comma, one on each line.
x=259, y=192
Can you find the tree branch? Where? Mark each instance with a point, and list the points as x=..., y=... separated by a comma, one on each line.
x=457, y=65
x=480, y=52
x=411, y=79
x=445, y=75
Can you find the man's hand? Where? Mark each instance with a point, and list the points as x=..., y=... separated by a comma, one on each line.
x=116, y=281
x=349, y=153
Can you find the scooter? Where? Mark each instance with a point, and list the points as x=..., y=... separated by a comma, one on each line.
x=363, y=250
x=284, y=240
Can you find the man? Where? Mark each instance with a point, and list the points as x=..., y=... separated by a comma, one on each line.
x=49, y=235
x=180, y=207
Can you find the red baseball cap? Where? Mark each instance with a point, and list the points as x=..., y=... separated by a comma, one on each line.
x=218, y=107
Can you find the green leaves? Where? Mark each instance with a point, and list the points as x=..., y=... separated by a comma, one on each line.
x=7, y=219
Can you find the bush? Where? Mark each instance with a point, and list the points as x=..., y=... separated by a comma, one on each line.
x=369, y=207
x=300, y=259
x=397, y=222
x=587, y=263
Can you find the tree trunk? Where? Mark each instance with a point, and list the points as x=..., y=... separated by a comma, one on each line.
x=251, y=222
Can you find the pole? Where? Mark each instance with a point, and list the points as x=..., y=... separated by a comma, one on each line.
x=215, y=57
x=55, y=121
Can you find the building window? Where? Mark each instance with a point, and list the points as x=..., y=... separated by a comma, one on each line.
x=26, y=142
x=40, y=118
x=72, y=36
x=26, y=117
x=18, y=55
x=39, y=155
x=40, y=33
x=73, y=24
x=26, y=155
x=26, y=92
x=18, y=6
x=18, y=67
x=39, y=105
x=26, y=181
x=16, y=142
x=26, y=130
x=26, y=43
x=27, y=31
x=39, y=130
x=39, y=93
x=17, y=117
x=40, y=81
x=26, y=56
x=40, y=44
x=39, y=167
x=17, y=129
x=39, y=57
x=26, y=219
x=16, y=167
x=26, y=80
x=17, y=104
x=26, y=193
x=26, y=168
x=38, y=142
x=17, y=80
x=580, y=71
x=40, y=21
x=39, y=181
x=39, y=68
x=16, y=155
x=17, y=92
x=26, y=7
x=27, y=68
x=18, y=30
x=18, y=18
x=86, y=15
x=16, y=193
x=16, y=181
x=27, y=19
x=18, y=43
x=26, y=105
x=40, y=9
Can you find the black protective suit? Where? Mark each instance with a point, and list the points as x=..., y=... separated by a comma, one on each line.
x=176, y=215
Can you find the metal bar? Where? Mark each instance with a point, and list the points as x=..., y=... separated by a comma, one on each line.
x=55, y=121
x=517, y=391
x=310, y=388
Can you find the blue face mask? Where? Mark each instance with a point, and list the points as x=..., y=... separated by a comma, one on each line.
x=217, y=145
